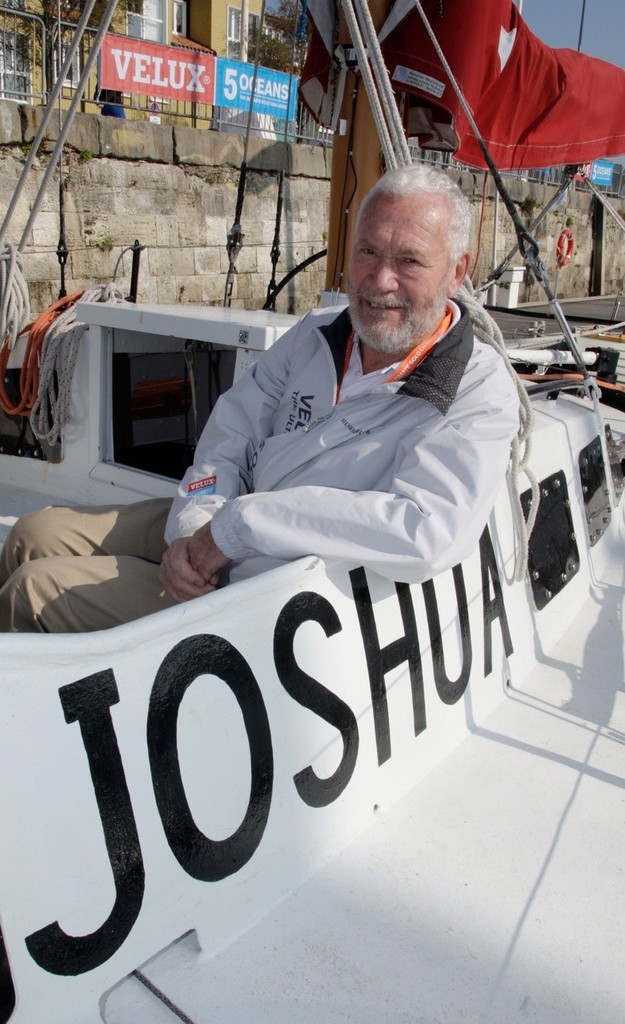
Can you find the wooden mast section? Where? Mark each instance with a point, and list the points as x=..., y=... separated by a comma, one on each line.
x=356, y=161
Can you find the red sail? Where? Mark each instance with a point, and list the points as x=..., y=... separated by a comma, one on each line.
x=533, y=105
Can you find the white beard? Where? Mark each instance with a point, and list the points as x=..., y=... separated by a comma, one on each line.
x=399, y=340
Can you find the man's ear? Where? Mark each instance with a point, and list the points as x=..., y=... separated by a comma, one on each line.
x=459, y=273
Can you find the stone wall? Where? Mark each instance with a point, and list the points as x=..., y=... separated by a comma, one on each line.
x=175, y=191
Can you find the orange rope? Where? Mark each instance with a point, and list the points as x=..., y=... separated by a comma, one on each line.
x=29, y=372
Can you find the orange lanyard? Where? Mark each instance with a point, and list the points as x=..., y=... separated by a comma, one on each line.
x=413, y=358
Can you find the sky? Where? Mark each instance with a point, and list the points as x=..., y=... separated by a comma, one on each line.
x=557, y=23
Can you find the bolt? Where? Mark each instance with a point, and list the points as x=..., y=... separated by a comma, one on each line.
x=548, y=595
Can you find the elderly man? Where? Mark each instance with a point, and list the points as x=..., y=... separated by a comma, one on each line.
x=377, y=435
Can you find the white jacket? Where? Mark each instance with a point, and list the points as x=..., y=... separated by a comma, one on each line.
x=400, y=480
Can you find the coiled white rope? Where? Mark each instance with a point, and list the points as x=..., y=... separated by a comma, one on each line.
x=521, y=447
x=51, y=409
x=14, y=300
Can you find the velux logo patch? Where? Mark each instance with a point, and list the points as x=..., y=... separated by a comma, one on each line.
x=208, y=485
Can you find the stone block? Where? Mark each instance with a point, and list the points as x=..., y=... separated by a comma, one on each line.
x=94, y=264
x=166, y=290
x=213, y=288
x=148, y=288
x=166, y=230
x=46, y=225
x=83, y=135
x=44, y=267
x=170, y=262
x=207, y=148
x=189, y=289
x=206, y=261
x=308, y=161
x=266, y=156
x=217, y=229
x=10, y=124
x=136, y=140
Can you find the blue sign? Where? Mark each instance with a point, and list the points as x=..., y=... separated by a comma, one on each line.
x=274, y=91
x=602, y=172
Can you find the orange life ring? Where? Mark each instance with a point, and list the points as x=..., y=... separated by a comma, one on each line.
x=564, y=248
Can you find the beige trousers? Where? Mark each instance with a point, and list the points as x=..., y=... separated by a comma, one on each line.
x=71, y=570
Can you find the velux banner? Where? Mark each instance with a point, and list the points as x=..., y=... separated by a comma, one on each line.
x=165, y=72
x=172, y=73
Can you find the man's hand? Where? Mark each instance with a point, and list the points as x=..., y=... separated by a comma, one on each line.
x=190, y=566
x=204, y=554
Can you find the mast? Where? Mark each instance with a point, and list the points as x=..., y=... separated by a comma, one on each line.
x=356, y=162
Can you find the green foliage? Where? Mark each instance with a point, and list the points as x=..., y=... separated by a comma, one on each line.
x=527, y=206
x=278, y=47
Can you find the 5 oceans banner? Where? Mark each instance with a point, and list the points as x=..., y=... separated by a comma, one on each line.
x=170, y=72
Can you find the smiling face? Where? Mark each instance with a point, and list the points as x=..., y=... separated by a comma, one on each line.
x=400, y=273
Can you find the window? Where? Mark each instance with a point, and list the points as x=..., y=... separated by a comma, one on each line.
x=144, y=20
x=74, y=70
x=180, y=18
x=16, y=42
x=234, y=32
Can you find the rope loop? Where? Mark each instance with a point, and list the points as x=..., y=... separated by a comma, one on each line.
x=14, y=299
x=58, y=353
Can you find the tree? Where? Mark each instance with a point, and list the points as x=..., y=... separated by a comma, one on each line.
x=70, y=12
x=285, y=38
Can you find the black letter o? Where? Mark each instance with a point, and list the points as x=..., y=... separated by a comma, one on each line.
x=207, y=859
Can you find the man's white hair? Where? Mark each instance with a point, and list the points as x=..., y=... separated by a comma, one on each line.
x=420, y=180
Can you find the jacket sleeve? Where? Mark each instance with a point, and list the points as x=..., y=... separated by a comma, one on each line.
x=242, y=417
x=431, y=518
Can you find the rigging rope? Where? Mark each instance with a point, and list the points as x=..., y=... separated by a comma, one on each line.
x=235, y=238
x=296, y=34
x=487, y=330
x=377, y=84
x=59, y=350
x=385, y=88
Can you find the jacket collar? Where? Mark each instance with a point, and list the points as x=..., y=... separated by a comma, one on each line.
x=437, y=378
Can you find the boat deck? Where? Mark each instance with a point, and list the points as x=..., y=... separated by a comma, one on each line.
x=582, y=314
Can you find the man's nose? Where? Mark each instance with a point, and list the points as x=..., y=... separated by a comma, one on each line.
x=384, y=275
